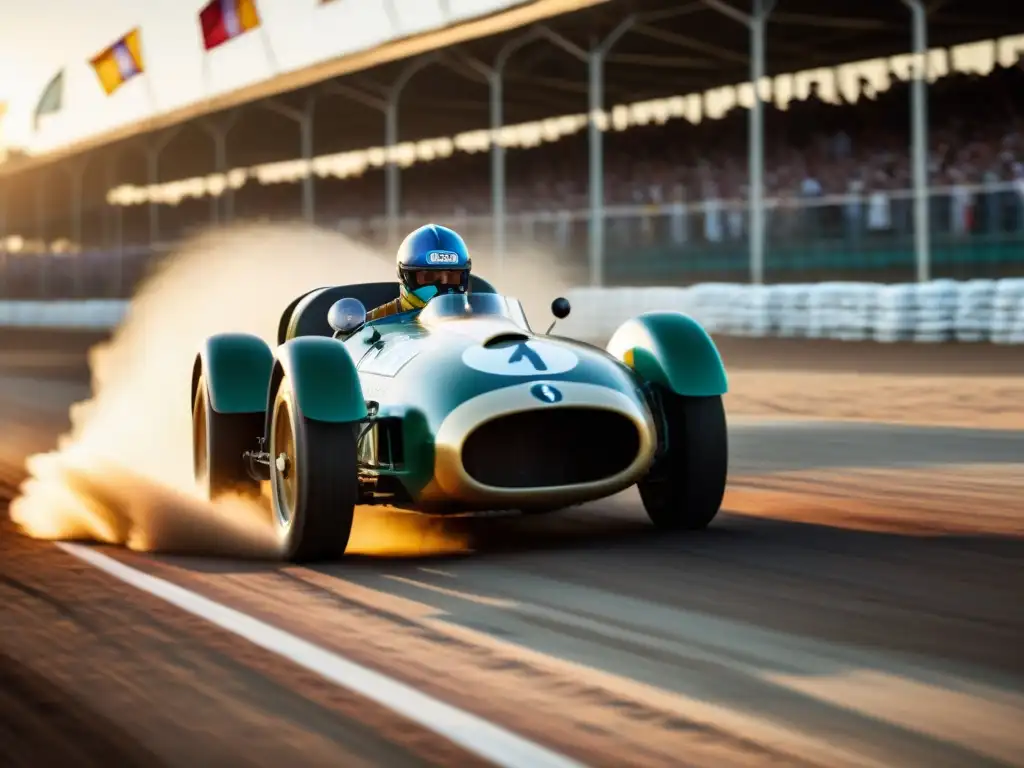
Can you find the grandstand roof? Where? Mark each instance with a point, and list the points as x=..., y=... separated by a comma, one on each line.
x=675, y=47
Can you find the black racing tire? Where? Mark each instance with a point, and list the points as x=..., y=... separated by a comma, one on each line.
x=685, y=487
x=314, y=491
x=218, y=442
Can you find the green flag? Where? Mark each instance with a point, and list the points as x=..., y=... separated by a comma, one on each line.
x=52, y=99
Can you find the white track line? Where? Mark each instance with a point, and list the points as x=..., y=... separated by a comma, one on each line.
x=468, y=731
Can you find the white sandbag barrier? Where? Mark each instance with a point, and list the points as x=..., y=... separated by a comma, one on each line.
x=81, y=315
x=937, y=311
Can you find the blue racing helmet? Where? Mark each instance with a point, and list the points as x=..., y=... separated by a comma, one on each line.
x=432, y=260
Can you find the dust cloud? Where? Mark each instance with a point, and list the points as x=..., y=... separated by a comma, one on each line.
x=123, y=474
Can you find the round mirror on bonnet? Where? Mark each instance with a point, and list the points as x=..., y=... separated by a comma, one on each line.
x=346, y=315
x=560, y=308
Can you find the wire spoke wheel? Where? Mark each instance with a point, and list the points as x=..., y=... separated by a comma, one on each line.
x=283, y=454
x=314, y=480
x=219, y=441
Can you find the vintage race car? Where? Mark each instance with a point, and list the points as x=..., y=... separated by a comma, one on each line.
x=457, y=408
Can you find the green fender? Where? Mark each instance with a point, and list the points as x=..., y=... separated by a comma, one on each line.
x=673, y=350
x=324, y=379
x=237, y=369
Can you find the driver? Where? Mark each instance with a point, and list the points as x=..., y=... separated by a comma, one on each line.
x=431, y=260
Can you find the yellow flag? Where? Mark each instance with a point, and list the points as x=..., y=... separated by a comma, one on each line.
x=119, y=63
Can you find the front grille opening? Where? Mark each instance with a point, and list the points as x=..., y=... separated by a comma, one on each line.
x=382, y=446
x=550, y=447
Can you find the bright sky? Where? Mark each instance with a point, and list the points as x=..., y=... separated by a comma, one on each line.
x=41, y=36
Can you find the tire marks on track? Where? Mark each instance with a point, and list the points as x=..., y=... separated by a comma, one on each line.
x=599, y=718
x=42, y=725
x=100, y=652
x=586, y=633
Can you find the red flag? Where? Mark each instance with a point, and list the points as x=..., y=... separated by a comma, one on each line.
x=224, y=20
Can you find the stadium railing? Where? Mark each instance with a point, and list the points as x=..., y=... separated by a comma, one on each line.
x=833, y=272
x=976, y=231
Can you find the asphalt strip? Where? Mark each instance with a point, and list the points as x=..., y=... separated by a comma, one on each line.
x=489, y=741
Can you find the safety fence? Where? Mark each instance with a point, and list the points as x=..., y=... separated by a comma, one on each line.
x=938, y=311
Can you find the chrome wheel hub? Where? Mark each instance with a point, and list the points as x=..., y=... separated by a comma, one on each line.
x=284, y=464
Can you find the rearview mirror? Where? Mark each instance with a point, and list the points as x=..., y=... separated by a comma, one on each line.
x=346, y=315
x=560, y=308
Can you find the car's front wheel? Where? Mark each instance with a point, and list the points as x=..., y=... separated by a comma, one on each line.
x=314, y=482
x=218, y=442
x=686, y=485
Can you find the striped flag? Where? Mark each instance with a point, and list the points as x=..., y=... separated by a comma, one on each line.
x=119, y=63
x=224, y=20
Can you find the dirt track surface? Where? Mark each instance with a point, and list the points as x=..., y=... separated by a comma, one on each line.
x=858, y=603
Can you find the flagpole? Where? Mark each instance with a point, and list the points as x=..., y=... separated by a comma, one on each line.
x=206, y=71
x=151, y=94
x=145, y=73
x=205, y=53
x=268, y=48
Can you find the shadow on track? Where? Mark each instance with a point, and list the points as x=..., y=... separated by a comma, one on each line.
x=949, y=596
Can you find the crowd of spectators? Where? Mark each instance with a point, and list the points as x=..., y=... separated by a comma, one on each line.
x=812, y=148
x=837, y=170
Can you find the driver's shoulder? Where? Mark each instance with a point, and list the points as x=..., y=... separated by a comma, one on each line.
x=387, y=309
x=392, y=312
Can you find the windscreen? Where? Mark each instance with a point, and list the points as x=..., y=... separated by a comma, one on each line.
x=455, y=305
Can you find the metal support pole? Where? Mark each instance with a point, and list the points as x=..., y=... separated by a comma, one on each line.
x=229, y=204
x=220, y=161
x=305, y=120
x=77, y=172
x=309, y=180
x=392, y=172
x=107, y=214
x=756, y=23
x=153, y=175
x=919, y=142
x=44, y=258
x=40, y=207
x=117, y=236
x=756, y=140
x=153, y=152
x=496, y=81
x=218, y=131
x=596, y=164
x=392, y=177
x=498, y=190
x=595, y=63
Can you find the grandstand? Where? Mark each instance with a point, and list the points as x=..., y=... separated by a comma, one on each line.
x=836, y=149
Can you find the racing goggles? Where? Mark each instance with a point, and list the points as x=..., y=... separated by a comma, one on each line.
x=425, y=284
x=438, y=277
